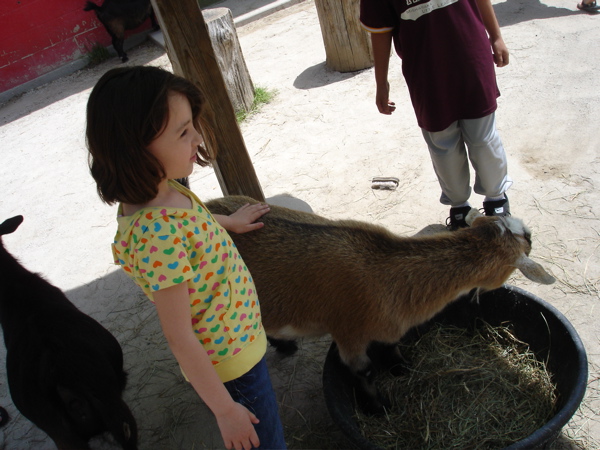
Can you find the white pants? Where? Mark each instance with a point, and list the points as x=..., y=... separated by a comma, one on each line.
x=448, y=150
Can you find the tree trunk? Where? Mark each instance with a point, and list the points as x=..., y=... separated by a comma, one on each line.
x=191, y=53
x=347, y=44
x=226, y=45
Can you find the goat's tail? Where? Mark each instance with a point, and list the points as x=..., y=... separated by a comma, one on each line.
x=91, y=5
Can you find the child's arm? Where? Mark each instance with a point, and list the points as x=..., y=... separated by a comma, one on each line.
x=234, y=420
x=382, y=45
x=243, y=220
x=493, y=29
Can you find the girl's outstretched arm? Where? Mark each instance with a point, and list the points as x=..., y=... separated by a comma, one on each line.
x=244, y=219
x=234, y=420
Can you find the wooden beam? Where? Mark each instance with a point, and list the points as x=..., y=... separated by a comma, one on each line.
x=192, y=56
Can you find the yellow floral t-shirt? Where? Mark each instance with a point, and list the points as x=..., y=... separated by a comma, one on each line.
x=161, y=247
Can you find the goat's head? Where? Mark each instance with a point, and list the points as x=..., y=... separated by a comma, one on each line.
x=515, y=227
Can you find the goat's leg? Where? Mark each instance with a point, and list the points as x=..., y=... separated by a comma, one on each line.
x=388, y=357
x=286, y=347
x=116, y=29
x=118, y=46
x=363, y=371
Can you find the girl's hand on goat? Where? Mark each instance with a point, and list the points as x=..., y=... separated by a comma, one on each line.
x=237, y=428
x=243, y=220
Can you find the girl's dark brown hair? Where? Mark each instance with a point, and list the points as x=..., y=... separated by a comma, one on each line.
x=126, y=110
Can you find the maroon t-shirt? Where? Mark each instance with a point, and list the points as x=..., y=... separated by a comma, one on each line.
x=446, y=56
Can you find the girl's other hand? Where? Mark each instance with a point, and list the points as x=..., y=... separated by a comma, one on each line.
x=237, y=429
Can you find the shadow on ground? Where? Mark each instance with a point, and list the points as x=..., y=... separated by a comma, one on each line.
x=512, y=12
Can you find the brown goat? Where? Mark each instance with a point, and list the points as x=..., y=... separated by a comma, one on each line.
x=363, y=284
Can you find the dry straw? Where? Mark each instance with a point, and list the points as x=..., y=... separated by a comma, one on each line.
x=464, y=390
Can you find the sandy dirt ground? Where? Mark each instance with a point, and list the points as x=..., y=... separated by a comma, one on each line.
x=320, y=140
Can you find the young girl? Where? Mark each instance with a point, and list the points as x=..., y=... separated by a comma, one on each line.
x=143, y=131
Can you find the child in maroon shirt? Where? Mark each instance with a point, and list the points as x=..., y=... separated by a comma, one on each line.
x=448, y=63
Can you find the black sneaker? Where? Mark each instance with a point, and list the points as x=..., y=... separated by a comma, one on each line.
x=497, y=207
x=457, y=218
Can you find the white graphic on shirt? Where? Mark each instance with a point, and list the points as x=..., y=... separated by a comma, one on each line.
x=417, y=11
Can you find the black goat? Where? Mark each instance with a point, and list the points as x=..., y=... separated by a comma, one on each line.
x=64, y=369
x=120, y=15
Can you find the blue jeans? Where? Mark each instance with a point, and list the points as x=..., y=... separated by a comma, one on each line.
x=255, y=391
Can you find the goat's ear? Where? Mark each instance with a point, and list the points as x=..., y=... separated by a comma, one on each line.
x=534, y=271
x=10, y=225
x=472, y=215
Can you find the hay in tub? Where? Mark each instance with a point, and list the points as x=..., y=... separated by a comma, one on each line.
x=465, y=390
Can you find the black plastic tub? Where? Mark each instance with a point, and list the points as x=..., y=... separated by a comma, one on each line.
x=549, y=334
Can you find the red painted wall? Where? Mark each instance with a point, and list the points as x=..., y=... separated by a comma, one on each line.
x=38, y=36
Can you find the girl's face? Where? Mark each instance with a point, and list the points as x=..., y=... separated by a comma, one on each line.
x=177, y=144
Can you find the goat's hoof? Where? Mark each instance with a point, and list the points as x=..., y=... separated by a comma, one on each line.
x=124, y=59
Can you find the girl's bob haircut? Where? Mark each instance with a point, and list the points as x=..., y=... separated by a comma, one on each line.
x=126, y=110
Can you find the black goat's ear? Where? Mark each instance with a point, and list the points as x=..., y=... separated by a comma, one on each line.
x=10, y=225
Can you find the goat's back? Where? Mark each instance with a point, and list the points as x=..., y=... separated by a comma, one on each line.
x=307, y=243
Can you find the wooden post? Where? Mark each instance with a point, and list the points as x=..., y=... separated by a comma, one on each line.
x=192, y=56
x=347, y=44
x=230, y=58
